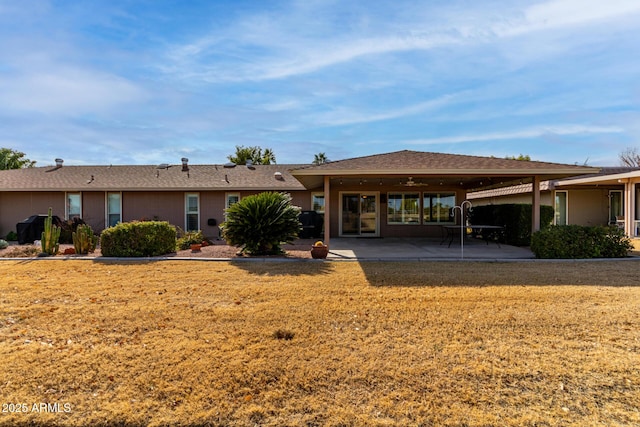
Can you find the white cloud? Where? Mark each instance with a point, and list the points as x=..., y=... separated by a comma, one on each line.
x=534, y=132
x=67, y=90
x=344, y=116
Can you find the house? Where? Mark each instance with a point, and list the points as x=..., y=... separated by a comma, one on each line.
x=403, y=193
x=610, y=196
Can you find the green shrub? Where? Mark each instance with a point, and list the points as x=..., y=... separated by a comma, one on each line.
x=138, y=239
x=12, y=236
x=259, y=224
x=514, y=217
x=189, y=238
x=576, y=241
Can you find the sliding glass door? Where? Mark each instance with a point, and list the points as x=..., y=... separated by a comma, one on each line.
x=359, y=214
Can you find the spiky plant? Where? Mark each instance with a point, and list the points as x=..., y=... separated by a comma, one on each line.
x=259, y=224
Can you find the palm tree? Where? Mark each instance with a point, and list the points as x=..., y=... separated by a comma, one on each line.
x=255, y=154
x=320, y=158
x=268, y=157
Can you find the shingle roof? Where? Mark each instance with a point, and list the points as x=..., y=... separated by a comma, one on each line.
x=420, y=162
x=150, y=178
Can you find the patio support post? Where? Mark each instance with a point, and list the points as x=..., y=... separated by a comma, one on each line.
x=535, y=205
x=327, y=209
x=629, y=208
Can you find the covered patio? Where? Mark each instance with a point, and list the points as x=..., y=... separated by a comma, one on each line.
x=413, y=193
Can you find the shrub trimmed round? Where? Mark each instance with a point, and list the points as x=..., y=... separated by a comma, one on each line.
x=138, y=239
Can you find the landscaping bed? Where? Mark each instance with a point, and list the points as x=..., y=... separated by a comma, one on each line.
x=217, y=249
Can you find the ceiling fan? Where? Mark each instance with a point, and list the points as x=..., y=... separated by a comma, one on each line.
x=411, y=183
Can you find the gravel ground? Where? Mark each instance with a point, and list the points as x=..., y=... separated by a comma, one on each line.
x=219, y=249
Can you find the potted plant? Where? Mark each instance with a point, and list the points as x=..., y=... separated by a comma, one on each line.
x=319, y=250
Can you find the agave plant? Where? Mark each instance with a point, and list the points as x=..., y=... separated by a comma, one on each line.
x=259, y=224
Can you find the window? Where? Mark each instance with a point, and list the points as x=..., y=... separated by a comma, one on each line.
x=437, y=207
x=317, y=202
x=193, y=212
x=74, y=205
x=232, y=199
x=403, y=208
x=560, y=216
x=616, y=207
x=114, y=209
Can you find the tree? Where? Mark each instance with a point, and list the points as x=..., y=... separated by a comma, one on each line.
x=320, y=158
x=260, y=223
x=523, y=157
x=11, y=159
x=255, y=154
x=630, y=157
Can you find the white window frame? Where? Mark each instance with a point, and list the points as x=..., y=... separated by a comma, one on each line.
x=107, y=212
x=187, y=212
x=556, y=208
x=314, y=197
x=227, y=196
x=67, y=205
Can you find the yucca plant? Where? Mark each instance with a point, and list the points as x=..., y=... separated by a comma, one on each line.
x=259, y=224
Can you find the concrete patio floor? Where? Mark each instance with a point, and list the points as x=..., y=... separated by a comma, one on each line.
x=394, y=248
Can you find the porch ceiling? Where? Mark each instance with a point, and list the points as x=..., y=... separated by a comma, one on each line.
x=424, y=181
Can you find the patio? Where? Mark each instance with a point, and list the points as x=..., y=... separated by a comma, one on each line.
x=394, y=248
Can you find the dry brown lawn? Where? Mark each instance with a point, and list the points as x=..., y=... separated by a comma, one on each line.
x=319, y=343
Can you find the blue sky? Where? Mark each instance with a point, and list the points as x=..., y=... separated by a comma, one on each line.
x=147, y=82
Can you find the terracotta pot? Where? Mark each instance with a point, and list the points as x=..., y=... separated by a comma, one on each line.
x=195, y=247
x=319, y=252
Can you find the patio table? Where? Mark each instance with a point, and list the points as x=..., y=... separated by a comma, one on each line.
x=487, y=232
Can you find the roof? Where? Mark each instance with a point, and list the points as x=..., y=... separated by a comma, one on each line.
x=150, y=178
x=407, y=161
x=606, y=175
x=424, y=164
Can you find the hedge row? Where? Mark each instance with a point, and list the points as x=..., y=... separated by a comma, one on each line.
x=576, y=241
x=514, y=217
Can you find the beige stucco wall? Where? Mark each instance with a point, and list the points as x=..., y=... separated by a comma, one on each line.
x=17, y=206
x=588, y=207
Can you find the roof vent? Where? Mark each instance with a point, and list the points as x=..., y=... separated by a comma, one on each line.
x=278, y=176
x=59, y=163
x=185, y=164
x=163, y=166
x=229, y=165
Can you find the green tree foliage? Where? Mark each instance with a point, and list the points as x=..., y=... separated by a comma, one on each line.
x=320, y=158
x=259, y=224
x=523, y=157
x=256, y=155
x=11, y=159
